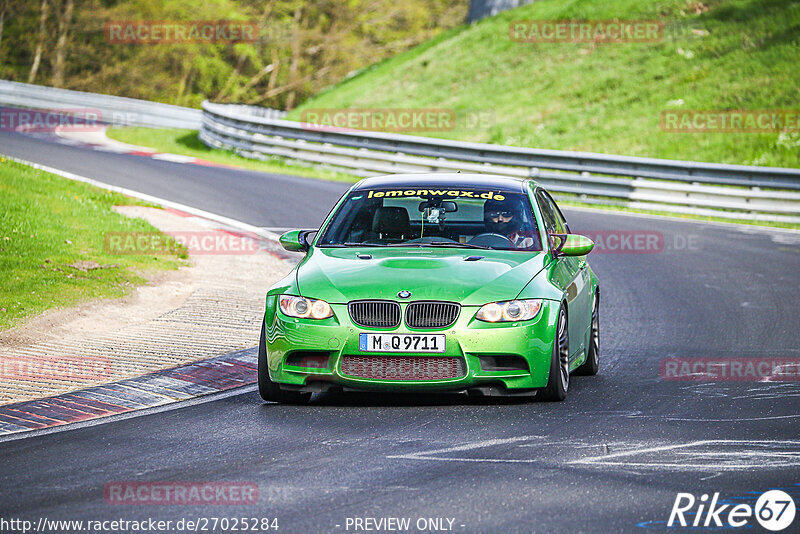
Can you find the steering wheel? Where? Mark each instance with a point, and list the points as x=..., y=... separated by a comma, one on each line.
x=491, y=240
x=432, y=239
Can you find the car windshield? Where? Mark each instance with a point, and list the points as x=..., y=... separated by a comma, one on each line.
x=458, y=218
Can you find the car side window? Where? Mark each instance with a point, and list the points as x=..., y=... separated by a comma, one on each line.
x=561, y=221
x=554, y=220
x=549, y=218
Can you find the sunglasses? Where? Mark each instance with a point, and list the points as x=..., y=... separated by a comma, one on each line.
x=496, y=214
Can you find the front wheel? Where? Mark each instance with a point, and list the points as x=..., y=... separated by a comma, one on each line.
x=269, y=390
x=558, y=383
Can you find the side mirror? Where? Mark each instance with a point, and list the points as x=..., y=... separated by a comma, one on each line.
x=571, y=245
x=295, y=240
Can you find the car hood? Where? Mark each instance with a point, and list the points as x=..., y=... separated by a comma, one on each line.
x=338, y=275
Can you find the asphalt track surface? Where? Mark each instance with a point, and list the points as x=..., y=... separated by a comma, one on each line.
x=610, y=459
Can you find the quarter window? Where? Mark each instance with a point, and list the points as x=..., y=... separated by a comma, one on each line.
x=551, y=222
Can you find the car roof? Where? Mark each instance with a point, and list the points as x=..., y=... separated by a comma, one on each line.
x=445, y=179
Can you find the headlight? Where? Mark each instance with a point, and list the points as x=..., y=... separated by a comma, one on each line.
x=305, y=308
x=509, y=311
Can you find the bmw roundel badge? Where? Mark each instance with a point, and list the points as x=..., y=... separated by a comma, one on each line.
x=404, y=294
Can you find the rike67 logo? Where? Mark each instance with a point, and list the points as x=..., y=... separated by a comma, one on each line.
x=774, y=510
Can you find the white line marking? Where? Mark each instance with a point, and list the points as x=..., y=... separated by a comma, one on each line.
x=699, y=467
x=174, y=158
x=641, y=451
x=426, y=455
x=733, y=419
x=716, y=454
x=751, y=455
x=749, y=458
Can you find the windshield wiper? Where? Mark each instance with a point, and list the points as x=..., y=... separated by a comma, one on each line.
x=442, y=244
x=347, y=245
x=448, y=244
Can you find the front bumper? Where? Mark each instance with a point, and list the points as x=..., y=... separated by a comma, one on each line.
x=331, y=339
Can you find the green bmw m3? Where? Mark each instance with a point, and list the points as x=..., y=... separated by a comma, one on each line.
x=433, y=282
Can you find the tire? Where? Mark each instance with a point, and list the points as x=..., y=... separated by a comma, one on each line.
x=558, y=382
x=269, y=390
x=592, y=363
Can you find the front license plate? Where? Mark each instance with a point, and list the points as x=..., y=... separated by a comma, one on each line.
x=401, y=342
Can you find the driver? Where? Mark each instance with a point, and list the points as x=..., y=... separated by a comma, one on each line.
x=504, y=217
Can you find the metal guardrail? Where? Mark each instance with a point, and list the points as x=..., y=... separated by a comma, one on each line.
x=115, y=110
x=480, y=9
x=255, y=111
x=729, y=191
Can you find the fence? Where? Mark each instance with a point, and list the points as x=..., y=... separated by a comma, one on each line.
x=480, y=9
x=115, y=110
x=728, y=191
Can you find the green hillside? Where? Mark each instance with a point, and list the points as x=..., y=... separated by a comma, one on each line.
x=604, y=97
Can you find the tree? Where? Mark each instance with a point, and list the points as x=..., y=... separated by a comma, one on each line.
x=37, y=56
x=303, y=46
x=3, y=9
x=64, y=17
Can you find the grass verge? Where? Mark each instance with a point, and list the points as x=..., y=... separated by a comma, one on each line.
x=52, y=244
